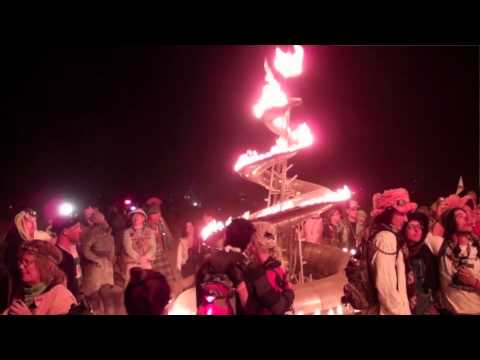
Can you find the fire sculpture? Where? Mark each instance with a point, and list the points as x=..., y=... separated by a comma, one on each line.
x=290, y=200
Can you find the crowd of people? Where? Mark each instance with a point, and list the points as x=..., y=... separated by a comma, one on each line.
x=416, y=260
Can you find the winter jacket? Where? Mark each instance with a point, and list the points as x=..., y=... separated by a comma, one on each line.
x=269, y=292
x=98, y=253
x=55, y=301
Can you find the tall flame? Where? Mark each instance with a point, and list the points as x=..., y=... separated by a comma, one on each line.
x=211, y=228
x=272, y=95
x=289, y=64
x=299, y=138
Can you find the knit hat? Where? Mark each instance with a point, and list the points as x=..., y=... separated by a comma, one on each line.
x=43, y=248
x=398, y=199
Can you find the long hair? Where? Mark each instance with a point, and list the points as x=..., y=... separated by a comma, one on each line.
x=384, y=218
x=449, y=223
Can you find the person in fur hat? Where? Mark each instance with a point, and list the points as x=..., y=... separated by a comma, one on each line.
x=43, y=290
x=389, y=268
x=23, y=229
x=269, y=291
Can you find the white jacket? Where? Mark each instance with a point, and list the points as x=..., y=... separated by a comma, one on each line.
x=390, y=278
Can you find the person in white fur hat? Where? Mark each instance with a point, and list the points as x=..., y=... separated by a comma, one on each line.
x=269, y=292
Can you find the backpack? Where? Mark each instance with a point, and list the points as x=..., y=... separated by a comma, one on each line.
x=217, y=296
x=360, y=291
x=216, y=293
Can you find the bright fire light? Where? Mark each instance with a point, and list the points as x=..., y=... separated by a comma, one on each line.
x=272, y=95
x=289, y=64
x=299, y=138
x=211, y=228
x=337, y=196
x=65, y=209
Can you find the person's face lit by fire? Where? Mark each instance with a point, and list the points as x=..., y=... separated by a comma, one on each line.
x=414, y=231
x=352, y=211
x=138, y=220
x=463, y=222
x=335, y=218
x=155, y=218
x=398, y=220
x=73, y=233
x=29, y=272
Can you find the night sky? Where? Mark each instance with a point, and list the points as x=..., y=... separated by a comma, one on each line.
x=163, y=120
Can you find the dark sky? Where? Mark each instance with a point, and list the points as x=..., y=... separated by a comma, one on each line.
x=150, y=119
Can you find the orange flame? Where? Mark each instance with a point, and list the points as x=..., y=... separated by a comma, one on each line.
x=272, y=95
x=289, y=64
x=299, y=138
x=211, y=228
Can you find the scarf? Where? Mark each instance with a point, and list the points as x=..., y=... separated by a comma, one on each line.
x=31, y=292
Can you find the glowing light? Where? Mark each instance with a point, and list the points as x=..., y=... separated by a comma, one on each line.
x=330, y=312
x=195, y=204
x=65, y=209
x=272, y=95
x=283, y=206
x=299, y=138
x=280, y=122
x=246, y=215
x=210, y=298
x=127, y=202
x=211, y=228
x=133, y=208
x=300, y=313
x=344, y=250
x=339, y=309
x=353, y=252
x=289, y=64
x=317, y=312
x=339, y=195
x=210, y=311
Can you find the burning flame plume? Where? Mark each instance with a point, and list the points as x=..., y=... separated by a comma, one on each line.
x=289, y=64
x=291, y=140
